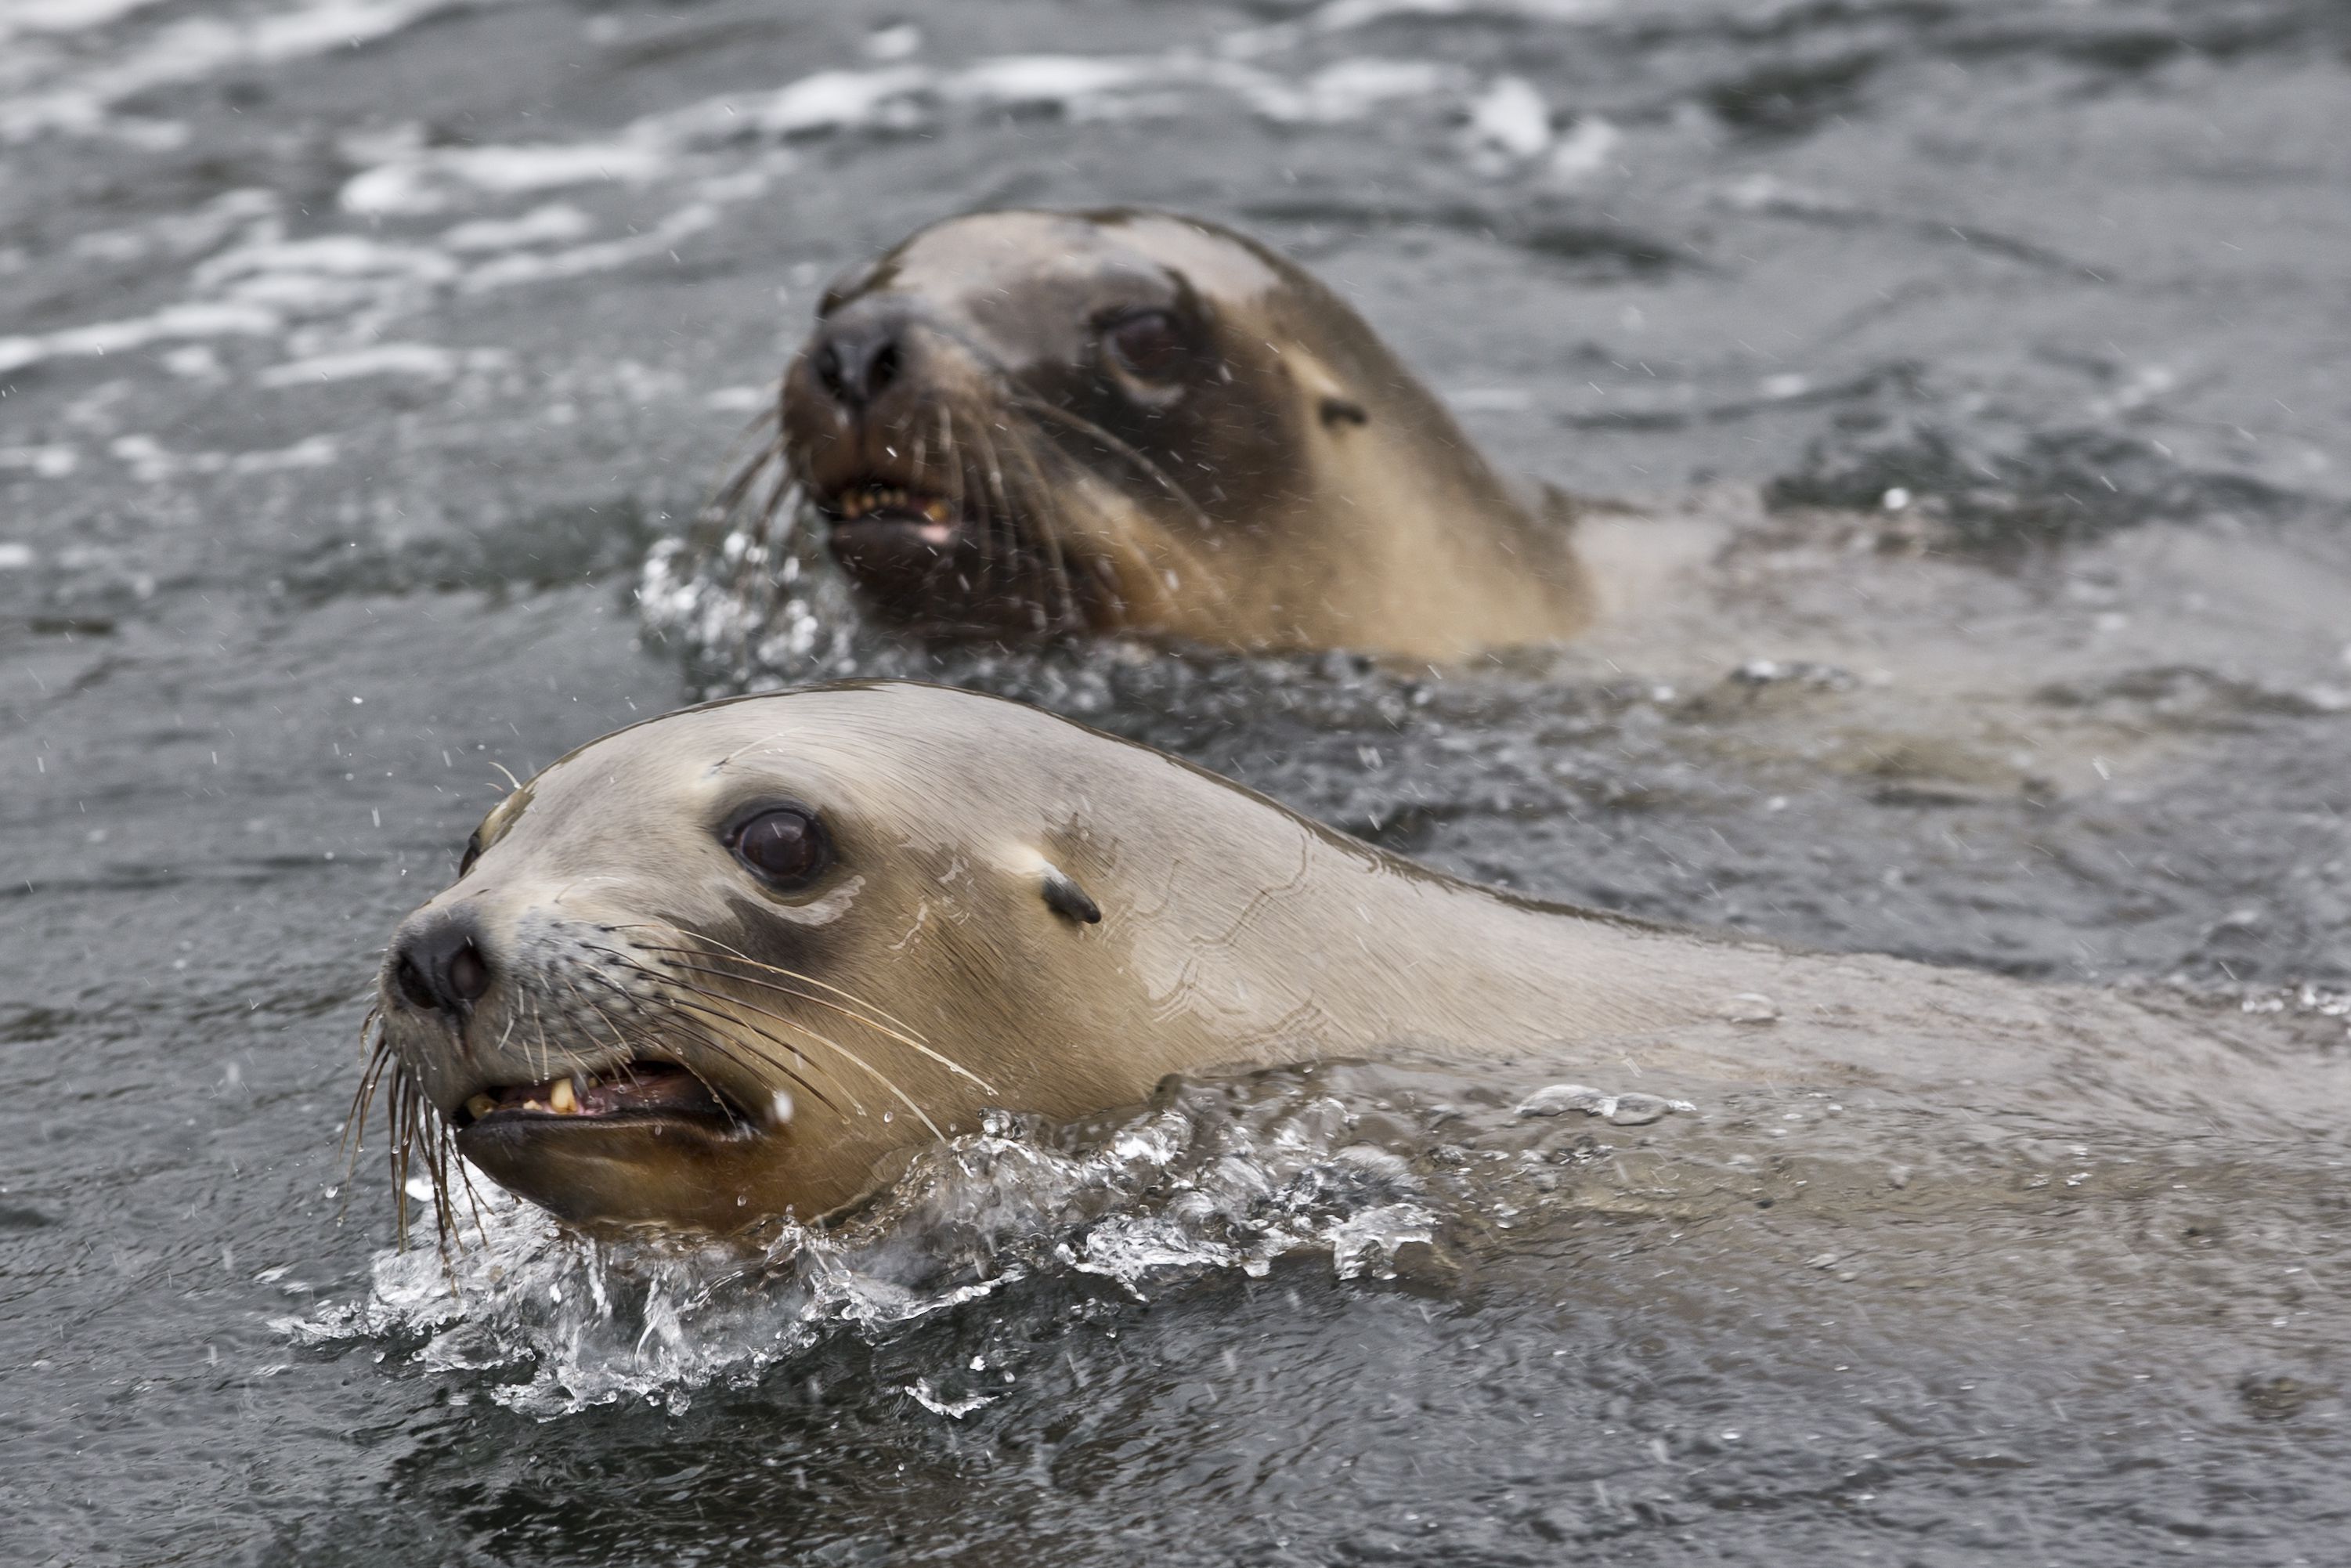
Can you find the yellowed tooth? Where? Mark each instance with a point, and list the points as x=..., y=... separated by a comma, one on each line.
x=480, y=1105
x=560, y=1098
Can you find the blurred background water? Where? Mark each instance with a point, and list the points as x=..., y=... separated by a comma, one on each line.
x=354, y=353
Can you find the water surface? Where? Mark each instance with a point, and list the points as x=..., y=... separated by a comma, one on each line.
x=355, y=351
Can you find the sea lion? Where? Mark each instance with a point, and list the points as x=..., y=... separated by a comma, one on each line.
x=723, y=963
x=1016, y=425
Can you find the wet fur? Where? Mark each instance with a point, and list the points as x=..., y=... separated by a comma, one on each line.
x=1300, y=490
x=932, y=977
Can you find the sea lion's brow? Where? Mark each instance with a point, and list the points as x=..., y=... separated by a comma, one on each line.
x=746, y=746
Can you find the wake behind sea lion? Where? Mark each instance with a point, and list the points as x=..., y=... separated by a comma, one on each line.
x=1017, y=426
x=723, y=964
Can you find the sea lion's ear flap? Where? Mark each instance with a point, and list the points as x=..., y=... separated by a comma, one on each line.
x=1338, y=411
x=1064, y=897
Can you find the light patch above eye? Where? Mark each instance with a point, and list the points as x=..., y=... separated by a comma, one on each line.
x=500, y=821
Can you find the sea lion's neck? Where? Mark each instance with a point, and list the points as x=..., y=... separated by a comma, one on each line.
x=1377, y=952
x=1479, y=969
x=1424, y=552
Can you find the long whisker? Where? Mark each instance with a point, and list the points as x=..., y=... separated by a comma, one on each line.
x=1003, y=518
x=400, y=1111
x=727, y=950
x=906, y=1040
x=1142, y=461
x=635, y=1048
x=1134, y=454
x=826, y=1040
x=725, y=1047
x=982, y=520
x=1066, y=617
x=729, y=496
x=373, y=1059
x=538, y=1030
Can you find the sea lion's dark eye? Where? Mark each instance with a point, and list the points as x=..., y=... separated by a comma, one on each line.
x=784, y=844
x=473, y=851
x=1148, y=344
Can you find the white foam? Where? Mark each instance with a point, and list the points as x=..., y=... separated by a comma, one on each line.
x=195, y=319
x=550, y=224
x=428, y=361
x=1347, y=91
x=151, y=461
x=1510, y=123
x=337, y=297
x=844, y=99
x=1046, y=80
x=1341, y=15
x=422, y=181
x=539, y=266
x=77, y=98
x=54, y=461
x=329, y=256
x=19, y=17
x=1588, y=148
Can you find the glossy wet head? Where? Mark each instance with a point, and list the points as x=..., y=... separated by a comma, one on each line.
x=709, y=968
x=1019, y=424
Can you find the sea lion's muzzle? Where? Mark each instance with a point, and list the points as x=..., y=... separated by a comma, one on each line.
x=900, y=444
x=918, y=456
x=473, y=1006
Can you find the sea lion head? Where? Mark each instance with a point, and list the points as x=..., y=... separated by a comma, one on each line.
x=712, y=967
x=1019, y=424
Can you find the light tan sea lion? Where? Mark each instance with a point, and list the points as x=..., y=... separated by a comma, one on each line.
x=1020, y=424
x=722, y=965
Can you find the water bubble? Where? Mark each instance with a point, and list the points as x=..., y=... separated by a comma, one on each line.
x=1618, y=1110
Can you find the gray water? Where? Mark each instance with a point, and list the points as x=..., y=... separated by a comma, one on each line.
x=355, y=353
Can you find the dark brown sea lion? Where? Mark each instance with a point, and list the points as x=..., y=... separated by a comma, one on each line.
x=723, y=963
x=1020, y=424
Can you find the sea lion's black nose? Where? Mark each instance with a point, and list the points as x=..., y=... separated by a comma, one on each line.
x=856, y=357
x=440, y=965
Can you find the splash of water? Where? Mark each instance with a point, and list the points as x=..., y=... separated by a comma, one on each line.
x=1215, y=1175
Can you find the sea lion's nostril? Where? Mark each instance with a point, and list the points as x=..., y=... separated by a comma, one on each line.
x=440, y=966
x=858, y=360
x=413, y=982
x=469, y=975
x=882, y=369
x=828, y=371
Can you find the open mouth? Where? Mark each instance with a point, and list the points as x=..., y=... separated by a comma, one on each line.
x=869, y=505
x=638, y=1091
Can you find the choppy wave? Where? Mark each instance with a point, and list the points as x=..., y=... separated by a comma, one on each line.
x=332, y=299
x=57, y=91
